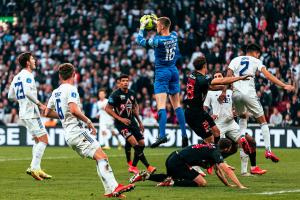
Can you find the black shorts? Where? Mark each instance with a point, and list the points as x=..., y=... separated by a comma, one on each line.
x=200, y=122
x=127, y=131
x=177, y=169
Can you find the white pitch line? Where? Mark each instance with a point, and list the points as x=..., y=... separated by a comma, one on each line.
x=279, y=192
x=67, y=157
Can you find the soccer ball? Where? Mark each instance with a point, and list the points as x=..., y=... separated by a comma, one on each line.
x=151, y=21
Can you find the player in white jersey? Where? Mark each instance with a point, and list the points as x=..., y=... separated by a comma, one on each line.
x=224, y=119
x=244, y=94
x=64, y=104
x=106, y=122
x=23, y=89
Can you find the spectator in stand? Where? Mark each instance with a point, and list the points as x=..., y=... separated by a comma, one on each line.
x=296, y=121
x=287, y=121
x=276, y=117
x=12, y=117
x=99, y=38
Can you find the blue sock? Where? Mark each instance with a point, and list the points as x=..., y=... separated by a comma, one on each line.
x=162, y=120
x=181, y=120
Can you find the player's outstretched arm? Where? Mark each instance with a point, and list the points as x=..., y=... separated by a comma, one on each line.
x=137, y=116
x=278, y=82
x=229, y=80
x=230, y=175
x=75, y=110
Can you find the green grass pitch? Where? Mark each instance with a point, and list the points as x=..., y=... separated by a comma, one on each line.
x=76, y=178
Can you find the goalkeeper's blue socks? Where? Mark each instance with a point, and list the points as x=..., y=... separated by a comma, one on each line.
x=181, y=120
x=162, y=120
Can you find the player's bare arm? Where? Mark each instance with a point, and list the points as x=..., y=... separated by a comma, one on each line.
x=137, y=116
x=110, y=110
x=221, y=176
x=229, y=80
x=75, y=110
x=230, y=174
x=275, y=80
x=51, y=113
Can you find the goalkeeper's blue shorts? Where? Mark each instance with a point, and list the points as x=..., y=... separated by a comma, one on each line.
x=166, y=80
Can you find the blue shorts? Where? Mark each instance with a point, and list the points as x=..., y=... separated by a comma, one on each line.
x=166, y=81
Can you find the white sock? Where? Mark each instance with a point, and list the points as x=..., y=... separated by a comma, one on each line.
x=37, y=155
x=244, y=161
x=33, y=153
x=243, y=126
x=106, y=175
x=266, y=133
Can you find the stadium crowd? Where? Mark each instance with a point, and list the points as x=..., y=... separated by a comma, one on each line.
x=98, y=37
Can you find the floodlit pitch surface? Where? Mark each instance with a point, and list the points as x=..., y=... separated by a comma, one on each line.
x=76, y=178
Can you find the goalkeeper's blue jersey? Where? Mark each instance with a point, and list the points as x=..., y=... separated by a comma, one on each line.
x=166, y=49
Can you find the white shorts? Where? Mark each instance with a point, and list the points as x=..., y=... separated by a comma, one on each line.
x=243, y=103
x=230, y=130
x=107, y=128
x=84, y=144
x=35, y=127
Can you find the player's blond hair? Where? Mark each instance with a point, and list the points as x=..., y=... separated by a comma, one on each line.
x=165, y=21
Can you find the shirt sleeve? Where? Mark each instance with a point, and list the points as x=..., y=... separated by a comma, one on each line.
x=207, y=101
x=11, y=92
x=233, y=64
x=51, y=103
x=112, y=100
x=73, y=96
x=259, y=64
x=142, y=41
x=216, y=156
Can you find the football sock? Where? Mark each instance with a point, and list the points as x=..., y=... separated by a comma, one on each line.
x=181, y=119
x=243, y=126
x=106, y=175
x=38, y=154
x=128, y=151
x=157, y=177
x=162, y=120
x=143, y=157
x=33, y=154
x=185, y=183
x=266, y=133
x=136, y=157
x=244, y=161
x=252, y=157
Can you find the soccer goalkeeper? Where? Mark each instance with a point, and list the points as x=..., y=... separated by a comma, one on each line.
x=166, y=81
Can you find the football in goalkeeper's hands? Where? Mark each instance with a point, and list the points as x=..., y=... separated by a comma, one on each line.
x=151, y=24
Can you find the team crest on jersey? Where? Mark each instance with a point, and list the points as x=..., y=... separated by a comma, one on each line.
x=28, y=80
x=122, y=97
x=73, y=94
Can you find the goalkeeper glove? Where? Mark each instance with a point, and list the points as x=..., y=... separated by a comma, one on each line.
x=144, y=21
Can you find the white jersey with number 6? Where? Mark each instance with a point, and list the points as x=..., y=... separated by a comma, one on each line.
x=59, y=100
x=22, y=84
x=245, y=65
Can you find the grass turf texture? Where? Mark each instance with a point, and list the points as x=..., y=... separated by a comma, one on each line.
x=76, y=178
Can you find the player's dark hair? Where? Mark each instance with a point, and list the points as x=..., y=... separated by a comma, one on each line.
x=123, y=76
x=23, y=58
x=219, y=72
x=253, y=47
x=224, y=143
x=102, y=90
x=199, y=62
x=66, y=70
x=165, y=21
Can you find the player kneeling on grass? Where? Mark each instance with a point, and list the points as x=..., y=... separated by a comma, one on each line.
x=179, y=172
x=65, y=100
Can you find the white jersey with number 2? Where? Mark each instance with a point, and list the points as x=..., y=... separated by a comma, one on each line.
x=245, y=65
